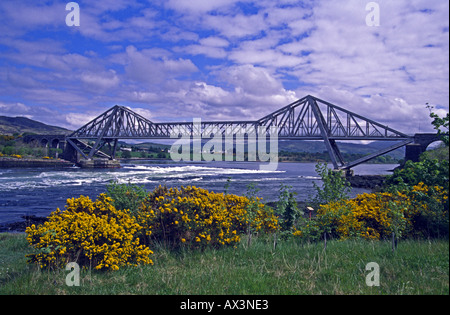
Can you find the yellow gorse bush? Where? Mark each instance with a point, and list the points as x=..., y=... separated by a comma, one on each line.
x=92, y=233
x=377, y=215
x=97, y=235
x=368, y=215
x=197, y=217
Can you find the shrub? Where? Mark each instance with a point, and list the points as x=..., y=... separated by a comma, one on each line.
x=196, y=217
x=287, y=208
x=420, y=211
x=368, y=216
x=429, y=172
x=429, y=211
x=126, y=196
x=93, y=234
x=334, y=187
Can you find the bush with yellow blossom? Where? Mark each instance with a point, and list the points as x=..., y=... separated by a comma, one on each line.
x=421, y=211
x=197, y=218
x=92, y=233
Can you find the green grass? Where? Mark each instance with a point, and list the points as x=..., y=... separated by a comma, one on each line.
x=416, y=267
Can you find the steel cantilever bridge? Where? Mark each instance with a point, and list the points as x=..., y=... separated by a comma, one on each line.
x=308, y=118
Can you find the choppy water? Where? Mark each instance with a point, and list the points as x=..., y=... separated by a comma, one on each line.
x=40, y=191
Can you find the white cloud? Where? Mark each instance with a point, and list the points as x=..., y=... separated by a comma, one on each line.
x=27, y=15
x=214, y=41
x=143, y=67
x=237, y=26
x=252, y=80
x=15, y=109
x=100, y=81
x=226, y=59
x=197, y=6
x=143, y=112
x=213, y=47
x=76, y=120
x=208, y=51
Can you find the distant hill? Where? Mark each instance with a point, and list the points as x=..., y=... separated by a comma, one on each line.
x=20, y=125
x=313, y=147
x=344, y=147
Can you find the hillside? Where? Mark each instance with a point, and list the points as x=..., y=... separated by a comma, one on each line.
x=344, y=147
x=20, y=125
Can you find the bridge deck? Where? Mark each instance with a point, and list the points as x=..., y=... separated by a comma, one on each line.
x=308, y=118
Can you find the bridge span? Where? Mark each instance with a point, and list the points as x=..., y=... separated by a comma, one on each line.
x=308, y=118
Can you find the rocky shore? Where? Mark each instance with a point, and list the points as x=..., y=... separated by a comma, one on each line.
x=373, y=182
x=22, y=225
x=13, y=162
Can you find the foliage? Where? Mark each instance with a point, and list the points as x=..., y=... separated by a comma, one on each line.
x=296, y=156
x=368, y=216
x=441, y=125
x=14, y=145
x=429, y=172
x=92, y=233
x=440, y=153
x=429, y=212
x=287, y=208
x=335, y=186
x=426, y=183
x=196, y=218
x=126, y=196
x=251, y=209
x=421, y=211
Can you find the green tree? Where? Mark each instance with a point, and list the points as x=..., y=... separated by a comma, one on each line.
x=287, y=208
x=441, y=125
x=334, y=187
x=126, y=154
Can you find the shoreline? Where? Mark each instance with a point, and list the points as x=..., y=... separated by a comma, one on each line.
x=6, y=162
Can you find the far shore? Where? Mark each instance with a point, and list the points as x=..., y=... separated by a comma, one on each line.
x=10, y=162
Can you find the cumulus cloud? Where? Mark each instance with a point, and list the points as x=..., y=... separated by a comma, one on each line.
x=197, y=6
x=100, y=81
x=226, y=59
x=143, y=67
x=252, y=80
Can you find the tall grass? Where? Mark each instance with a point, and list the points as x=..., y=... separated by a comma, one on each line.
x=416, y=267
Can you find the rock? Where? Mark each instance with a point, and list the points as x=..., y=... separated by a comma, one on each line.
x=22, y=225
x=367, y=181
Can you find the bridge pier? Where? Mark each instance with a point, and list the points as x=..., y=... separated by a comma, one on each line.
x=420, y=145
x=413, y=152
x=99, y=163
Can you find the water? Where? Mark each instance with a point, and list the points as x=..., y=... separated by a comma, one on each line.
x=39, y=191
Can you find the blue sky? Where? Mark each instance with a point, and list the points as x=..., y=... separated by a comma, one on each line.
x=174, y=60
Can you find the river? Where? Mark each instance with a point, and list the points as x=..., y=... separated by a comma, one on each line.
x=39, y=191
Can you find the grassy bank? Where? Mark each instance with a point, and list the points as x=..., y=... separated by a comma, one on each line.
x=416, y=267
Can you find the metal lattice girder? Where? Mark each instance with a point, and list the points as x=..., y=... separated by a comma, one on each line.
x=308, y=118
x=302, y=119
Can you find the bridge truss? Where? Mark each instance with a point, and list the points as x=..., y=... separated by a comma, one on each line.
x=308, y=118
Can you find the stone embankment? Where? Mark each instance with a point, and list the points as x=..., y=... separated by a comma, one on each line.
x=56, y=163
x=99, y=163
x=29, y=163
